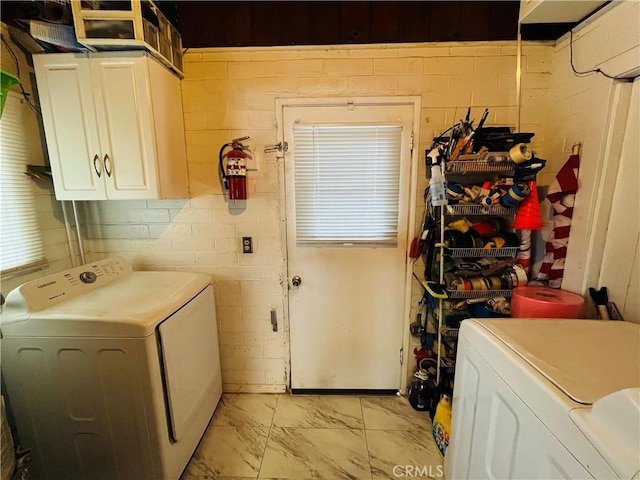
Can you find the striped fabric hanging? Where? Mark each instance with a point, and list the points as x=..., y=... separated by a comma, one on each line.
x=561, y=194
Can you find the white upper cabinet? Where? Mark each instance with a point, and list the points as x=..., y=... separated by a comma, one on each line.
x=114, y=126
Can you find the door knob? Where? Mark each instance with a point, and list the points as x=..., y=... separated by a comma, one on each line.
x=296, y=281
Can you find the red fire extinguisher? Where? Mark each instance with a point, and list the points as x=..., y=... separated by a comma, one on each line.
x=234, y=176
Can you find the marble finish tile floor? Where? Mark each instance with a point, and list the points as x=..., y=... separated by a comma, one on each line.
x=319, y=437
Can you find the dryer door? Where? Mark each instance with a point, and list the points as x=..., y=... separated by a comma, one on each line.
x=191, y=360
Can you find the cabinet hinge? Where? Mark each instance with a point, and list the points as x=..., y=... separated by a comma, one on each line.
x=411, y=145
x=401, y=356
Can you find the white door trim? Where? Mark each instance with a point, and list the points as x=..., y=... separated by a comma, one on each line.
x=416, y=102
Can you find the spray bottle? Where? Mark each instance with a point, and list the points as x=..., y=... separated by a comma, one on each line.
x=436, y=183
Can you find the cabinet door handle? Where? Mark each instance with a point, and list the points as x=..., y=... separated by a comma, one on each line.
x=96, y=162
x=107, y=165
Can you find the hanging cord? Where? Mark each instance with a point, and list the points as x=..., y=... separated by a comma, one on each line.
x=67, y=226
x=78, y=233
x=595, y=70
x=24, y=92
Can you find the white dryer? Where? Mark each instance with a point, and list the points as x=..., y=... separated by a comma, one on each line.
x=546, y=399
x=111, y=373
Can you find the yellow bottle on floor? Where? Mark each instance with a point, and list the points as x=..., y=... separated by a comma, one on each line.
x=442, y=423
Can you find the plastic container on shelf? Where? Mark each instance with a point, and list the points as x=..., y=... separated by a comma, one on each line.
x=128, y=25
x=150, y=34
x=176, y=47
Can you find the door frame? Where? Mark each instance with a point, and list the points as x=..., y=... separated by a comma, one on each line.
x=416, y=102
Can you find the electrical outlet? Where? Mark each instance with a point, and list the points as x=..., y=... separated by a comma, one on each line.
x=247, y=244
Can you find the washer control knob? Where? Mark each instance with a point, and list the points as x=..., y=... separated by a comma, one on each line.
x=88, y=277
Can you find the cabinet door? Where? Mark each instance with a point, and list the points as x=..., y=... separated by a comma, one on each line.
x=69, y=117
x=122, y=95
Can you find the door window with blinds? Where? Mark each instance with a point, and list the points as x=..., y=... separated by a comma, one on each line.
x=347, y=184
x=21, y=244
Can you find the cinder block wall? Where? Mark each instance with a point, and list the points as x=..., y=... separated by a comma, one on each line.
x=229, y=93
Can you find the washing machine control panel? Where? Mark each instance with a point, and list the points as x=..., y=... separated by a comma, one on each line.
x=62, y=286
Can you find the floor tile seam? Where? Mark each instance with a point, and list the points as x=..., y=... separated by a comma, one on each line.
x=414, y=430
x=264, y=453
x=240, y=427
x=266, y=444
x=366, y=439
x=322, y=427
x=364, y=421
x=319, y=428
x=275, y=409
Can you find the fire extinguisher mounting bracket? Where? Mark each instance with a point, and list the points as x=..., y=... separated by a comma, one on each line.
x=233, y=172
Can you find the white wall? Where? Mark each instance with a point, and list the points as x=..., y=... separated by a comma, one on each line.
x=592, y=109
x=56, y=248
x=229, y=93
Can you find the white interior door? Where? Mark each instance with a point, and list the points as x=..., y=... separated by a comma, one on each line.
x=346, y=315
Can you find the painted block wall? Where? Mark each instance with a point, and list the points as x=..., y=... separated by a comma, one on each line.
x=230, y=93
x=56, y=248
x=589, y=109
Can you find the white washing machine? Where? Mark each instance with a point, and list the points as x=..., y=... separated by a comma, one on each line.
x=546, y=399
x=111, y=373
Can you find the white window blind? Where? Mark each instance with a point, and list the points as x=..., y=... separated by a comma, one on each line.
x=20, y=238
x=347, y=184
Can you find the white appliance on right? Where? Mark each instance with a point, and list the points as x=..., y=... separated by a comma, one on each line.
x=546, y=399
